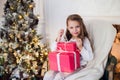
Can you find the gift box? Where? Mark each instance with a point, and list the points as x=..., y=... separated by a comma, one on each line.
x=64, y=61
x=66, y=46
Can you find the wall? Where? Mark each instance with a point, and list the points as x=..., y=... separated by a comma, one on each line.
x=56, y=12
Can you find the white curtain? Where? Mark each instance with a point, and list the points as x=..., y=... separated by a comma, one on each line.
x=2, y=2
x=39, y=10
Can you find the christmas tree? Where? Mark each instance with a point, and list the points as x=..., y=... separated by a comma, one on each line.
x=21, y=52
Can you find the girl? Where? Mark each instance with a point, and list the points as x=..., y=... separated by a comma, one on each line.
x=75, y=31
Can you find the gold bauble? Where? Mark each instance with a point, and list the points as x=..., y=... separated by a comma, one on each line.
x=30, y=6
x=20, y=16
x=46, y=53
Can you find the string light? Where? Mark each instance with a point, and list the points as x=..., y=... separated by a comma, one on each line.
x=30, y=6
x=20, y=16
x=46, y=53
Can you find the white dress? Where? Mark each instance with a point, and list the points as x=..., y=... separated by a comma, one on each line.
x=86, y=55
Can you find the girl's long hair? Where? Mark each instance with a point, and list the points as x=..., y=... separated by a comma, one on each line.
x=83, y=31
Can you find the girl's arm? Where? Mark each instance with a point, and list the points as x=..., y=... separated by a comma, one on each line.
x=86, y=51
x=53, y=46
x=59, y=38
x=60, y=34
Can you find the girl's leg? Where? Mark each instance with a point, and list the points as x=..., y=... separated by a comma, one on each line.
x=49, y=75
x=61, y=76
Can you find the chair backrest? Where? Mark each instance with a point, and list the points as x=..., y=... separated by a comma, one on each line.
x=102, y=35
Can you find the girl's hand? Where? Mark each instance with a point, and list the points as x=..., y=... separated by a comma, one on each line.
x=79, y=43
x=60, y=35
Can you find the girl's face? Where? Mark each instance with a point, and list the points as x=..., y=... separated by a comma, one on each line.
x=74, y=28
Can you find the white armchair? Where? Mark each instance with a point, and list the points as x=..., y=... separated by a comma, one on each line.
x=102, y=34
